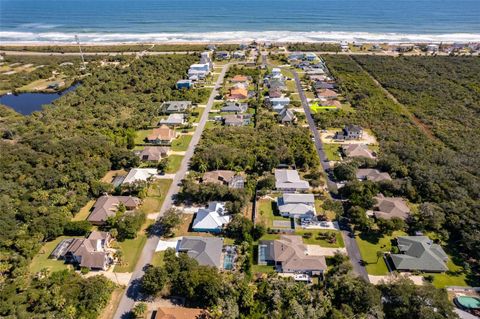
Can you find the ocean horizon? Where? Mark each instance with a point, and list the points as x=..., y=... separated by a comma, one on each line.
x=122, y=21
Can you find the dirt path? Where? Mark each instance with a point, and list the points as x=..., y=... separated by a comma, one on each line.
x=415, y=120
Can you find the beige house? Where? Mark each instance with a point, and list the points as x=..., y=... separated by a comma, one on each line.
x=162, y=135
x=289, y=255
x=358, y=150
x=389, y=207
x=107, y=206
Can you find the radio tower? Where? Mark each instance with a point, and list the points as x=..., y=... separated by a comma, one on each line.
x=83, y=67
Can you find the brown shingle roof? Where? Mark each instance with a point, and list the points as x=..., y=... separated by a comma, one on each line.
x=218, y=177
x=291, y=253
x=389, y=207
x=163, y=133
x=107, y=206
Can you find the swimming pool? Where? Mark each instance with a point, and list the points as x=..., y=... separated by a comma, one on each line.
x=468, y=302
x=228, y=261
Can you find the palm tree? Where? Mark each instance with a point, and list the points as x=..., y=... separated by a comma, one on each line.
x=379, y=254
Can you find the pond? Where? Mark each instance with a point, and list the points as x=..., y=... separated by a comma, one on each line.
x=26, y=103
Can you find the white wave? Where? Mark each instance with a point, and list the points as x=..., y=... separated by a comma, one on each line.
x=233, y=36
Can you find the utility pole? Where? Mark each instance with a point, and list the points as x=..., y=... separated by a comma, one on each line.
x=83, y=67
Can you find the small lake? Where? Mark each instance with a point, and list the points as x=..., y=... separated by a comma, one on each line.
x=26, y=103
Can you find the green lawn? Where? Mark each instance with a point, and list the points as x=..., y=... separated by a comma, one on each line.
x=455, y=276
x=291, y=86
x=332, y=151
x=41, y=261
x=263, y=269
x=131, y=249
x=266, y=213
x=157, y=259
x=155, y=196
x=181, y=143
x=174, y=162
x=141, y=135
x=369, y=244
x=196, y=119
x=315, y=240
x=84, y=211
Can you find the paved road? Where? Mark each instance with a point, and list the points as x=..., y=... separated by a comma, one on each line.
x=350, y=243
x=132, y=292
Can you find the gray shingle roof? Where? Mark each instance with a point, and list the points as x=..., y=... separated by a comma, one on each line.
x=419, y=253
x=206, y=250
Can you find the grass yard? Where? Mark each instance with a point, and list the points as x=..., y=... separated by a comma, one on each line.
x=131, y=249
x=330, y=215
x=157, y=259
x=196, y=119
x=332, y=151
x=141, y=135
x=155, y=196
x=181, y=143
x=369, y=244
x=265, y=213
x=265, y=269
x=455, y=276
x=315, y=240
x=291, y=86
x=109, y=177
x=84, y=211
x=41, y=260
x=174, y=162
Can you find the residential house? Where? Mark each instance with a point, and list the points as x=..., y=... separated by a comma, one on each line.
x=238, y=94
x=224, y=177
x=350, y=132
x=358, y=150
x=91, y=252
x=279, y=103
x=371, y=174
x=276, y=84
x=288, y=180
x=184, y=84
x=153, y=153
x=419, y=253
x=234, y=107
x=237, y=119
x=310, y=56
x=205, y=59
x=297, y=205
x=316, y=78
x=170, y=107
x=320, y=85
x=162, y=135
x=274, y=93
x=276, y=73
x=176, y=119
x=240, y=79
x=140, y=175
x=290, y=255
x=107, y=206
x=211, y=219
x=327, y=94
x=296, y=56
x=206, y=250
x=286, y=116
x=314, y=71
x=222, y=55
x=389, y=207
x=239, y=55
x=432, y=48
x=178, y=313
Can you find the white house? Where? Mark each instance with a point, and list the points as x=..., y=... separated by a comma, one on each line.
x=297, y=205
x=278, y=103
x=139, y=174
x=288, y=180
x=211, y=219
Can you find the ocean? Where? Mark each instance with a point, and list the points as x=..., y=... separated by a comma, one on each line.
x=103, y=21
